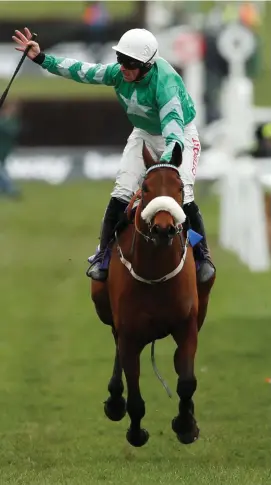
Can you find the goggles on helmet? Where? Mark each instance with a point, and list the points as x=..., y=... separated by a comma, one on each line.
x=128, y=62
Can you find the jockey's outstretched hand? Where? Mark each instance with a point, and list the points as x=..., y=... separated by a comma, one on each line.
x=23, y=41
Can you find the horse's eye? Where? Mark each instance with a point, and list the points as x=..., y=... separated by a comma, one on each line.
x=145, y=187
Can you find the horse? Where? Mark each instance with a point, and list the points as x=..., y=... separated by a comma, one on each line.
x=151, y=293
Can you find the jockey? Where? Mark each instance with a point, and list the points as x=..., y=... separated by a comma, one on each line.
x=162, y=113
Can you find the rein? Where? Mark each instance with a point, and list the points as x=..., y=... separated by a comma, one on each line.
x=159, y=280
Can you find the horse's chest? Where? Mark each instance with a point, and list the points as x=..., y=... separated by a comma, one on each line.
x=156, y=306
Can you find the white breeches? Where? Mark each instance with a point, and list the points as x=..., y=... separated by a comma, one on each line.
x=132, y=170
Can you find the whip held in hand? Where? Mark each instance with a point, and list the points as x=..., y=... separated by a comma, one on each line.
x=5, y=93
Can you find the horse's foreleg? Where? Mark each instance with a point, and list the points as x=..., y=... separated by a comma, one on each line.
x=204, y=291
x=130, y=361
x=203, y=306
x=115, y=405
x=185, y=425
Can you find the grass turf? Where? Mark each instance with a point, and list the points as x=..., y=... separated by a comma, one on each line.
x=56, y=359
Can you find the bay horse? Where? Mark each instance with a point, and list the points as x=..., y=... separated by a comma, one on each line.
x=152, y=292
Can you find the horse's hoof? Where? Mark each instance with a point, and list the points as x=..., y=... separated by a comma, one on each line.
x=138, y=438
x=115, y=409
x=186, y=437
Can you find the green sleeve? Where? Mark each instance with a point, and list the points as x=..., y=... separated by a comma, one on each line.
x=82, y=72
x=171, y=118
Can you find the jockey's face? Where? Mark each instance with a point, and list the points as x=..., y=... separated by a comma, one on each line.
x=129, y=75
x=129, y=67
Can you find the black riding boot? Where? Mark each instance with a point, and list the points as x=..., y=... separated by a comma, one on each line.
x=99, y=268
x=205, y=267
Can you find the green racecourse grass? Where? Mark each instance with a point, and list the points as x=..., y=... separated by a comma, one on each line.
x=56, y=358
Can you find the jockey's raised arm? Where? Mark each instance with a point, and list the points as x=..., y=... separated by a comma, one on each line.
x=82, y=72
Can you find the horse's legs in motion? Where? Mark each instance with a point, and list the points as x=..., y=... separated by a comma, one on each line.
x=115, y=405
x=130, y=360
x=185, y=425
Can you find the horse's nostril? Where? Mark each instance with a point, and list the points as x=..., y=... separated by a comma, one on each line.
x=171, y=231
x=167, y=231
x=156, y=229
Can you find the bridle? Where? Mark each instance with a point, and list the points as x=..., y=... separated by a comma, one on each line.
x=148, y=237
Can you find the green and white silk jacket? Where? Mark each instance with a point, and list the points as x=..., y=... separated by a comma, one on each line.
x=159, y=103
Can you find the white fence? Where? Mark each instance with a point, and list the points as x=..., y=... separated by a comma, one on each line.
x=243, y=183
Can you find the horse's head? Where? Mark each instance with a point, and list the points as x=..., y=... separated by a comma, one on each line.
x=162, y=196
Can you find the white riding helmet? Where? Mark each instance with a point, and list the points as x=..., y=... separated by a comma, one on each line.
x=139, y=44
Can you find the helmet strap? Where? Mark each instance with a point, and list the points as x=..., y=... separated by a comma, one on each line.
x=143, y=71
x=145, y=68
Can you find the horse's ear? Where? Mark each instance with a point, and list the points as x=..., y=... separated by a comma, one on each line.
x=177, y=156
x=148, y=160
